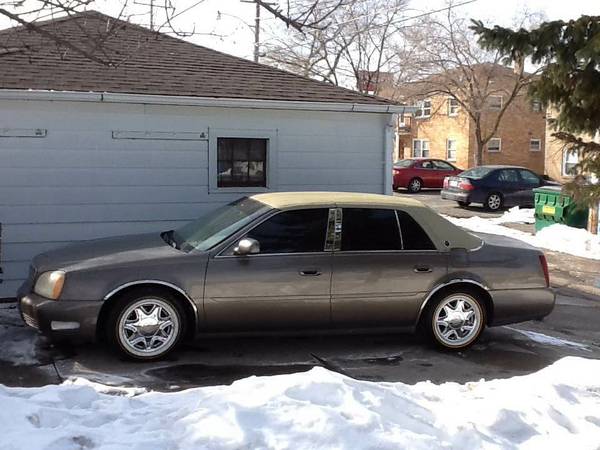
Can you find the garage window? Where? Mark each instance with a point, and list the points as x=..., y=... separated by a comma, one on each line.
x=242, y=162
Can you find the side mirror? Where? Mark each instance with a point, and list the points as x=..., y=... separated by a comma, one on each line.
x=246, y=246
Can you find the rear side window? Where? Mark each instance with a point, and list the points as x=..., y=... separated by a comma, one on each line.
x=296, y=231
x=414, y=236
x=370, y=229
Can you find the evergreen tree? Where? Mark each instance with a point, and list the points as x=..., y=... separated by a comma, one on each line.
x=569, y=53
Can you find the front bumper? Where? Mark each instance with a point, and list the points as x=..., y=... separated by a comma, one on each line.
x=456, y=196
x=520, y=305
x=58, y=319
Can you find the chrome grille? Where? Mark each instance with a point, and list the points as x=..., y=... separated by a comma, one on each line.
x=31, y=321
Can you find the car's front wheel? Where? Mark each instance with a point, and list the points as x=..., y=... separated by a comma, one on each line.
x=456, y=320
x=146, y=326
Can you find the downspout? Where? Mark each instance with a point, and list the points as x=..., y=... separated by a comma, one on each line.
x=390, y=130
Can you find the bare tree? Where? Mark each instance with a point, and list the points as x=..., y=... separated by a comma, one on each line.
x=450, y=64
x=354, y=49
x=95, y=44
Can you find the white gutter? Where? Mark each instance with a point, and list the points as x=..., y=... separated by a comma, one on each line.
x=388, y=149
x=110, y=97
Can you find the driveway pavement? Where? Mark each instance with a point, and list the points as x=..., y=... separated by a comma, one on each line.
x=571, y=330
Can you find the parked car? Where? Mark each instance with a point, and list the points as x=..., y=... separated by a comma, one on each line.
x=495, y=187
x=288, y=261
x=416, y=174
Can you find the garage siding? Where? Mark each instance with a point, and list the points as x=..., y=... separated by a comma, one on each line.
x=78, y=182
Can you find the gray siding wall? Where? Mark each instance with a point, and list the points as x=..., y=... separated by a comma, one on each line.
x=78, y=182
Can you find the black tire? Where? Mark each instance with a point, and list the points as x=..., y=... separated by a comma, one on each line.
x=429, y=321
x=121, y=337
x=415, y=185
x=463, y=204
x=494, y=201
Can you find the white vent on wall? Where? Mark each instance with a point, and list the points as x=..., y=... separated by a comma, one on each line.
x=23, y=132
x=162, y=135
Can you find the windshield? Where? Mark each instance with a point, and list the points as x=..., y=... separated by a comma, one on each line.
x=476, y=172
x=403, y=163
x=212, y=228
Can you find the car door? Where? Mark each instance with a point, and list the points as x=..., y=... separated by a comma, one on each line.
x=284, y=286
x=382, y=268
x=428, y=174
x=442, y=170
x=529, y=181
x=508, y=183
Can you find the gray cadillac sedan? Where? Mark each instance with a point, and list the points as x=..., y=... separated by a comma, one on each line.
x=284, y=262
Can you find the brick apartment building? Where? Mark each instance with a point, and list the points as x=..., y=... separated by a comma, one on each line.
x=442, y=129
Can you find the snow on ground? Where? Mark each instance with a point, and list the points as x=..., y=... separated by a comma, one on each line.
x=557, y=237
x=557, y=407
x=549, y=340
x=18, y=342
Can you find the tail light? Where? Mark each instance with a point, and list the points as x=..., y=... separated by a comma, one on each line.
x=544, y=264
x=446, y=181
x=465, y=185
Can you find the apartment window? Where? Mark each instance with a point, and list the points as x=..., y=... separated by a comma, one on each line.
x=452, y=107
x=242, y=162
x=570, y=160
x=495, y=102
x=424, y=108
x=451, y=149
x=420, y=148
x=536, y=105
x=535, y=145
x=494, y=145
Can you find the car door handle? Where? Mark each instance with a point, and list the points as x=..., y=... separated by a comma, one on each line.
x=422, y=269
x=310, y=273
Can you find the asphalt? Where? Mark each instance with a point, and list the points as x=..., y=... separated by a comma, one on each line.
x=571, y=330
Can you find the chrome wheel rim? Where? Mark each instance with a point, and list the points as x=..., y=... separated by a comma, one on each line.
x=457, y=320
x=494, y=201
x=415, y=185
x=148, y=327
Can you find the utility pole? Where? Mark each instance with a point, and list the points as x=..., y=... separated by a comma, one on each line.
x=257, y=33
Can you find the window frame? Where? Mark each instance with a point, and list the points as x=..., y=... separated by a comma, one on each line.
x=421, y=148
x=448, y=149
x=213, y=160
x=492, y=107
x=539, y=141
x=487, y=146
x=565, y=154
x=457, y=107
x=420, y=113
x=536, y=105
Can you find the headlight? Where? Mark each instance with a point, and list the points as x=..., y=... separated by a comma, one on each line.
x=50, y=284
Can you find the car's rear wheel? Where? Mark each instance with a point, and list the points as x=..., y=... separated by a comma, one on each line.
x=146, y=326
x=415, y=185
x=463, y=204
x=494, y=201
x=456, y=320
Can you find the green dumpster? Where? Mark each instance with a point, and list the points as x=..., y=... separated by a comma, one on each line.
x=553, y=206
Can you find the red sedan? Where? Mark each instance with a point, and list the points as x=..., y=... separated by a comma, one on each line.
x=416, y=174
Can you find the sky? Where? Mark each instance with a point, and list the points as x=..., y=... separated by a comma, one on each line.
x=224, y=24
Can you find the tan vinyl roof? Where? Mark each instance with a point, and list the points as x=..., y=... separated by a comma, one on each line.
x=295, y=199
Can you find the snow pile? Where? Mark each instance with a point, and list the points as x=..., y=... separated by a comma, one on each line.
x=516, y=215
x=557, y=237
x=558, y=407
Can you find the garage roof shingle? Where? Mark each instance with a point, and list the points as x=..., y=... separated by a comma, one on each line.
x=150, y=63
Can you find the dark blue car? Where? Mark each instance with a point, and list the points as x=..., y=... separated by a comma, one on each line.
x=495, y=187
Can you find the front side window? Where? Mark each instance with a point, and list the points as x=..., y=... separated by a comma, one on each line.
x=414, y=236
x=366, y=229
x=535, y=145
x=242, y=162
x=570, y=160
x=451, y=148
x=452, y=107
x=442, y=165
x=494, y=145
x=295, y=231
x=529, y=177
x=420, y=148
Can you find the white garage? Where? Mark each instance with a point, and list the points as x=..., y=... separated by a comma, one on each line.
x=88, y=151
